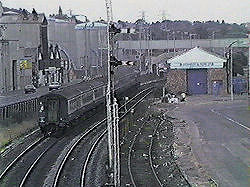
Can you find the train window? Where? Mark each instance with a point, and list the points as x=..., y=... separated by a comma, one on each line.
x=98, y=92
x=35, y=104
x=75, y=103
x=28, y=106
x=87, y=97
x=10, y=110
x=24, y=106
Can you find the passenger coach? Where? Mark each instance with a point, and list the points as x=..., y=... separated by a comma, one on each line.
x=59, y=107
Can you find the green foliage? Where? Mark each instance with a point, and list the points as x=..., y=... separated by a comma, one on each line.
x=239, y=61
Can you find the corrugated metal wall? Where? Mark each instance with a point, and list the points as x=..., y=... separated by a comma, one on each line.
x=197, y=81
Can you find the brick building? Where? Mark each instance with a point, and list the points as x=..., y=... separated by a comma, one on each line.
x=197, y=72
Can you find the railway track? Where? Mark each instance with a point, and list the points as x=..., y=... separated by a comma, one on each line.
x=31, y=168
x=147, y=150
x=150, y=154
x=19, y=171
x=62, y=177
x=140, y=164
x=11, y=164
x=89, y=178
x=58, y=180
x=17, y=148
x=39, y=149
x=36, y=150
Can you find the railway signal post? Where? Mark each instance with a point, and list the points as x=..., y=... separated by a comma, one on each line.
x=111, y=105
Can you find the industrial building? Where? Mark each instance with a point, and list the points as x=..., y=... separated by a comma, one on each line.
x=38, y=50
x=91, y=47
x=20, y=37
x=197, y=72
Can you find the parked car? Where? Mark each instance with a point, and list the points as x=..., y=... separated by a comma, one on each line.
x=54, y=86
x=29, y=89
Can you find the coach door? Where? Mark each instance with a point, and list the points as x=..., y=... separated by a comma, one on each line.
x=53, y=110
x=197, y=81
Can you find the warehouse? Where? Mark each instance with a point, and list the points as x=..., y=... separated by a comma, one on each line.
x=197, y=72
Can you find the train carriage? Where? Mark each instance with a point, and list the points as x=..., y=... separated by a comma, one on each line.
x=59, y=107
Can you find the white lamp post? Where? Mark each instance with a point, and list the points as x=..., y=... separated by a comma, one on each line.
x=231, y=69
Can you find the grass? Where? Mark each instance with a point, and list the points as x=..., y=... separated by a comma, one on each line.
x=13, y=132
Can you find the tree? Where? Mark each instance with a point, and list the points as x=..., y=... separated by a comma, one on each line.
x=239, y=61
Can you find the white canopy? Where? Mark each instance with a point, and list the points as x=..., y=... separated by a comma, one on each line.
x=196, y=58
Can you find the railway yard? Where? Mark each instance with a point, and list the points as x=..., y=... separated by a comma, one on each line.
x=155, y=148
x=79, y=158
x=118, y=102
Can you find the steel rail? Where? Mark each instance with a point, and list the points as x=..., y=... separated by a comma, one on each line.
x=3, y=174
x=34, y=163
x=130, y=153
x=135, y=97
x=59, y=171
x=132, y=144
x=150, y=154
x=135, y=104
x=14, y=145
x=89, y=156
x=84, y=170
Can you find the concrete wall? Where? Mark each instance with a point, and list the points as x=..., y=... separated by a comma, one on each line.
x=63, y=34
x=170, y=44
x=91, y=44
x=85, y=47
x=9, y=52
x=23, y=38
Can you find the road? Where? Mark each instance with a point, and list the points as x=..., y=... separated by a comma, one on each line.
x=220, y=138
x=19, y=95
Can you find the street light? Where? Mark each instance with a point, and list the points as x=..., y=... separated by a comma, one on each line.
x=167, y=31
x=190, y=36
x=231, y=68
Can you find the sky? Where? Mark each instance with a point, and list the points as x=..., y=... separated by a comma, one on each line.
x=232, y=11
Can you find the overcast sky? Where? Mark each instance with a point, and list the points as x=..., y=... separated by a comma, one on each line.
x=232, y=11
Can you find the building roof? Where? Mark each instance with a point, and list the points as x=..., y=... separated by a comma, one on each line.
x=197, y=58
x=90, y=25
